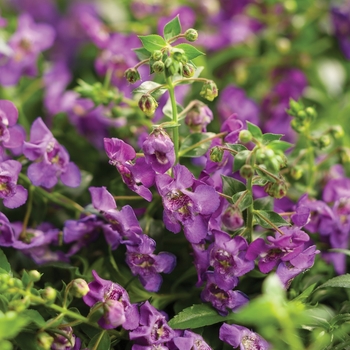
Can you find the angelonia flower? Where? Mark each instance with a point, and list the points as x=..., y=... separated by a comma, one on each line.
x=242, y=337
x=341, y=24
x=51, y=159
x=117, y=309
x=190, y=341
x=198, y=117
x=65, y=342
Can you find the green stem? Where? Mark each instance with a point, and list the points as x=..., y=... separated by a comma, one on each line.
x=175, y=117
x=267, y=173
x=108, y=78
x=249, y=225
x=28, y=212
x=97, y=344
x=222, y=134
x=141, y=63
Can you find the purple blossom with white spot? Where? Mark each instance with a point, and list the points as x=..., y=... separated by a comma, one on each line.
x=51, y=159
x=13, y=195
x=190, y=341
x=192, y=209
x=238, y=336
x=118, y=311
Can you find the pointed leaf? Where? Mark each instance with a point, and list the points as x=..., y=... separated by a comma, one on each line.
x=305, y=294
x=101, y=341
x=245, y=201
x=152, y=42
x=240, y=159
x=232, y=186
x=280, y=145
x=263, y=218
x=142, y=53
x=342, y=281
x=194, y=145
x=4, y=264
x=172, y=28
x=236, y=147
x=255, y=131
x=268, y=137
x=190, y=51
x=264, y=203
x=147, y=86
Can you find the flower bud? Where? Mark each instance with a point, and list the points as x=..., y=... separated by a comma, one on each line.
x=297, y=126
x=216, y=154
x=49, y=294
x=247, y=172
x=344, y=155
x=170, y=67
x=232, y=218
x=191, y=34
x=158, y=66
x=148, y=104
x=295, y=106
x=296, y=172
x=66, y=341
x=245, y=136
x=302, y=115
x=79, y=288
x=324, y=141
x=157, y=55
x=209, y=90
x=34, y=275
x=337, y=131
x=199, y=117
x=178, y=54
x=311, y=112
x=276, y=189
x=188, y=70
x=44, y=341
x=132, y=75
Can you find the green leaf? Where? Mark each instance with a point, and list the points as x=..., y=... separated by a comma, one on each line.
x=3, y=303
x=268, y=137
x=255, y=131
x=236, y=147
x=100, y=341
x=240, y=159
x=4, y=264
x=198, y=315
x=11, y=324
x=142, y=53
x=342, y=281
x=342, y=251
x=172, y=28
x=260, y=180
x=34, y=317
x=189, y=147
x=152, y=42
x=264, y=203
x=190, y=51
x=280, y=145
x=305, y=294
x=263, y=216
x=147, y=86
x=27, y=341
x=232, y=186
x=246, y=200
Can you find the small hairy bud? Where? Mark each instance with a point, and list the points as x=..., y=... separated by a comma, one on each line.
x=79, y=288
x=158, y=66
x=34, y=275
x=209, y=90
x=191, y=34
x=157, y=55
x=216, y=154
x=178, y=54
x=245, y=136
x=188, y=70
x=49, y=294
x=170, y=67
x=337, y=131
x=247, y=172
x=311, y=112
x=296, y=172
x=148, y=104
x=276, y=189
x=295, y=106
x=232, y=218
x=44, y=341
x=132, y=75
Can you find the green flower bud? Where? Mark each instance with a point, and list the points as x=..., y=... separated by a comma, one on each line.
x=34, y=275
x=188, y=70
x=44, y=341
x=344, y=154
x=245, y=136
x=49, y=294
x=337, y=131
x=209, y=90
x=302, y=115
x=170, y=67
x=247, y=172
x=191, y=34
x=18, y=305
x=311, y=112
x=216, y=154
x=296, y=172
x=178, y=54
x=132, y=75
x=79, y=288
x=148, y=104
x=157, y=55
x=283, y=45
x=158, y=66
x=297, y=126
x=276, y=189
x=295, y=106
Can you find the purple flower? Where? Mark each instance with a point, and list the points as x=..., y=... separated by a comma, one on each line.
x=11, y=135
x=26, y=45
x=115, y=301
x=341, y=23
x=282, y=247
x=13, y=195
x=181, y=206
x=153, y=328
x=159, y=151
x=148, y=266
x=66, y=341
x=52, y=159
x=234, y=100
x=7, y=236
x=232, y=126
x=190, y=341
x=201, y=262
x=242, y=337
x=222, y=299
x=199, y=117
x=227, y=257
x=120, y=155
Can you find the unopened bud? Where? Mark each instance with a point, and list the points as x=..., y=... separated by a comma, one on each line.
x=79, y=288
x=295, y=106
x=216, y=154
x=324, y=141
x=245, y=136
x=199, y=117
x=209, y=90
x=296, y=172
x=132, y=75
x=311, y=112
x=297, y=126
x=344, y=154
x=302, y=115
x=49, y=294
x=247, y=172
x=337, y=131
x=34, y=275
x=283, y=45
x=158, y=66
x=232, y=218
x=191, y=34
x=148, y=104
x=276, y=189
x=178, y=54
x=157, y=55
x=170, y=67
x=188, y=70
x=44, y=341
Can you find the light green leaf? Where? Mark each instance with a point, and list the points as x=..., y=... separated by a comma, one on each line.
x=264, y=203
x=245, y=201
x=190, y=51
x=263, y=217
x=142, y=53
x=255, y=131
x=196, y=316
x=278, y=145
x=11, y=324
x=240, y=159
x=194, y=145
x=236, y=147
x=152, y=42
x=147, y=86
x=342, y=281
x=4, y=264
x=305, y=294
x=34, y=317
x=268, y=137
x=172, y=28
x=101, y=341
x=232, y=186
